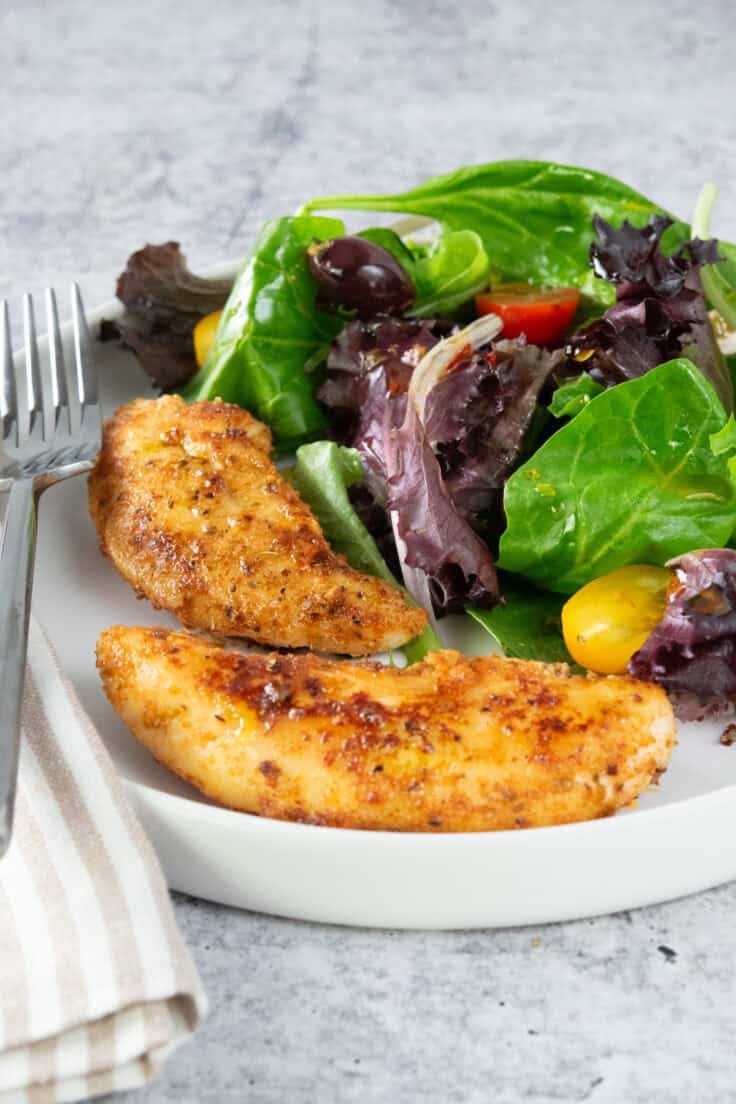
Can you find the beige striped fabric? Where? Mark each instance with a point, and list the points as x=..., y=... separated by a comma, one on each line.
x=96, y=985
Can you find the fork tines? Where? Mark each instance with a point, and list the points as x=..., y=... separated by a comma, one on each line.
x=36, y=416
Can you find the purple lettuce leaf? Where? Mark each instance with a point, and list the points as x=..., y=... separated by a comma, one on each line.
x=477, y=416
x=439, y=541
x=660, y=310
x=437, y=477
x=632, y=257
x=368, y=371
x=692, y=651
x=163, y=303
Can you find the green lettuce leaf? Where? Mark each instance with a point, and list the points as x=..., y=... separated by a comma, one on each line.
x=420, y=647
x=632, y=479
x=270, y=332
x=322, y=473
x=725, y=439
x=574, y=395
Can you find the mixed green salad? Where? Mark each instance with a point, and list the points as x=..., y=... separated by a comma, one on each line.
x=523, y=415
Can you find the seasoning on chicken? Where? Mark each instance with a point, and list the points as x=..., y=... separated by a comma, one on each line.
x=450, y=744
x=198, y=520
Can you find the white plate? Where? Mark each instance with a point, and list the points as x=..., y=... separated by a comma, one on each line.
x=678, y=840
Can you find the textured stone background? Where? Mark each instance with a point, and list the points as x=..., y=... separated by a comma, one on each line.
x=149, y=120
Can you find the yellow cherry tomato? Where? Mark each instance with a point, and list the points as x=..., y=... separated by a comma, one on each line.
x=204, y=335
x=609, y=618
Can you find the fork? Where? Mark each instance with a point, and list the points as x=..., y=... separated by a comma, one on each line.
x=43, y=439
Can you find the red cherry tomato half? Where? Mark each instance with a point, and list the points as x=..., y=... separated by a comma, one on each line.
x=543, y=314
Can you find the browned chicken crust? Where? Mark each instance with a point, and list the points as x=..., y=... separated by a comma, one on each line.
x=451, y=744
x=195, y=516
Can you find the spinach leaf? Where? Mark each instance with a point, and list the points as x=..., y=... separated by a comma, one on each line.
x=534, y=217
x=269, y=333
x=632, y=479
x=528, y=626
x=451, y=273
x=392, y=243
x=322, y=474
x=574, y=395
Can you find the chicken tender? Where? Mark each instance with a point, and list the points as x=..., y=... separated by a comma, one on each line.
x=451, y=744
x=198, y=520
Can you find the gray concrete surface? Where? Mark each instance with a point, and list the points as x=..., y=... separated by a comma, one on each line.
x=121, y=123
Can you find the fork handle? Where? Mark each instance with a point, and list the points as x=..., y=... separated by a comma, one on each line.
x=17, y=554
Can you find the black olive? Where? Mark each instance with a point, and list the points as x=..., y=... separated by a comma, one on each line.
x=359, y=275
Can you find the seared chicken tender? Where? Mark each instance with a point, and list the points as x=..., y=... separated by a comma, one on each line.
x=195, y=516
x=452, y=744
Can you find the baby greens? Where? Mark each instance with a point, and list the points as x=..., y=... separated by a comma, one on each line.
x=271, y=330
x=632, y=479
x=269, y=333
x=534, y=217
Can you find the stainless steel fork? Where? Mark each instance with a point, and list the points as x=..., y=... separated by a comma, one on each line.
x=44, y=438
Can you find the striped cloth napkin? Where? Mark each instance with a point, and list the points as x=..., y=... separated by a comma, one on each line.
x=96, y=985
